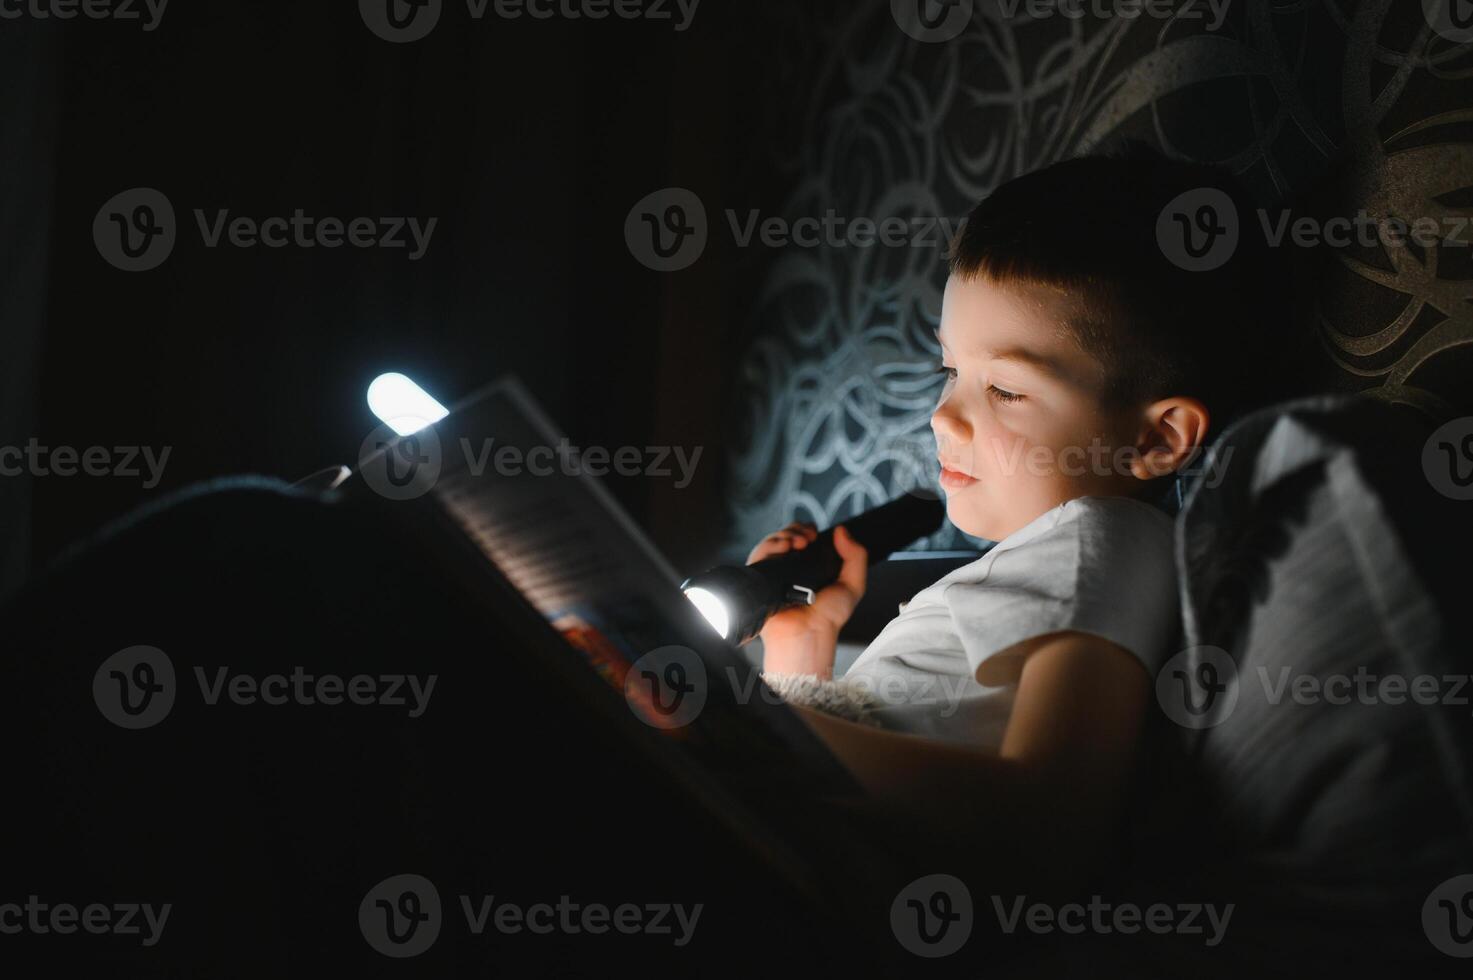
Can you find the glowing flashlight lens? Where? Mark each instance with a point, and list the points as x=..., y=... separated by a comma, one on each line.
x=403, y=405
x=712, y=608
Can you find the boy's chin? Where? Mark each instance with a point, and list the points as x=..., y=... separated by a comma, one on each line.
x=966, y=516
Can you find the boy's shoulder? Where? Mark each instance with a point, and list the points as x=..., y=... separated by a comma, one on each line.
x=1117, y=515
x=1077, y=537
x=1111, y=520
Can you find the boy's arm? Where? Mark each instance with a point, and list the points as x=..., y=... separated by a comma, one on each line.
x=1051, y=797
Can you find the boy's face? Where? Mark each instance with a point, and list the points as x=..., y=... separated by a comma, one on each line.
x=1020, y=427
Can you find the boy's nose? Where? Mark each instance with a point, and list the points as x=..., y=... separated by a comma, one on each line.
x=949, y=428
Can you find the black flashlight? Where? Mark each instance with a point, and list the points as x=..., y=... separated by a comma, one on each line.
x=737, y=600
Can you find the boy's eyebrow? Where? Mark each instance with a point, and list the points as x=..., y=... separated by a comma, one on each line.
x=1032, y=358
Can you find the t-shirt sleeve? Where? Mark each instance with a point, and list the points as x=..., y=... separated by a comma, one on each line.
x=1106, y=568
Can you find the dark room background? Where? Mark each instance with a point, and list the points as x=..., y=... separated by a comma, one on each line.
x=804, y=373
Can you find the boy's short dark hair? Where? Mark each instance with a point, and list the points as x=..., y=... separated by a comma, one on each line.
x=1089, y=226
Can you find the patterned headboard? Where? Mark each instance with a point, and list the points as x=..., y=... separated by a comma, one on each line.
x=838, y=383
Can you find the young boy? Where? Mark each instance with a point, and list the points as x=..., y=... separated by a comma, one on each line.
x=1083, y=367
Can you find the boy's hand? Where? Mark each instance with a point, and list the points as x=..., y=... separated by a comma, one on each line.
x=801, y=640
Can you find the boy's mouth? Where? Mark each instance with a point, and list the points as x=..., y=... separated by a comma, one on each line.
x=955, y=479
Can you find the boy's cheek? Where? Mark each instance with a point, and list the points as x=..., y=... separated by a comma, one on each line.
x=999, y=454
x=1015, y=458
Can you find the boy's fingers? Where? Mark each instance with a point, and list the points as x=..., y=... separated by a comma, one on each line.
x=846, y=546
x=773, y=544
x=805, y=531
x=855, y=571
x=795, y=536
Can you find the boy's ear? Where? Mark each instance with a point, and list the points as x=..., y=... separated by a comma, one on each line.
x=1173, y=432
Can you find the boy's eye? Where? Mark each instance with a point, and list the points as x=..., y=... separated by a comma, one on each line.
x=1003, y=395
x=947, y=370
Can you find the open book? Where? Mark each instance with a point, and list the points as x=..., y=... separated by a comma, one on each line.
x=502, y=476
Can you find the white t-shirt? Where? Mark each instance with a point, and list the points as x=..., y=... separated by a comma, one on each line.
x=1099, y=565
